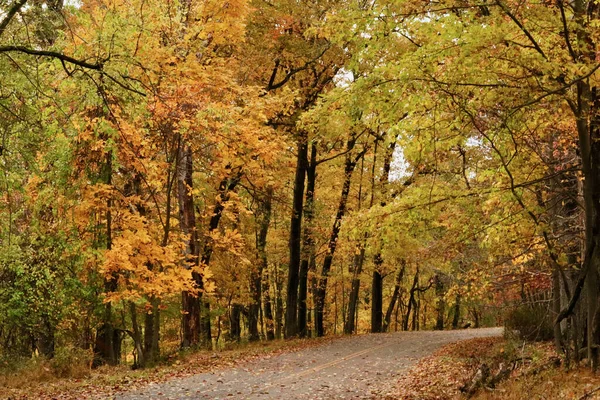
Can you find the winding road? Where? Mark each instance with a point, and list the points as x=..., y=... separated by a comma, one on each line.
x=352, y=367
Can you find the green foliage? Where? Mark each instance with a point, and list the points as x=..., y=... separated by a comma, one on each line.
x=38, y=289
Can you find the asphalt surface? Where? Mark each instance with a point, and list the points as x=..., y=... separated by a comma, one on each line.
x=353, y=367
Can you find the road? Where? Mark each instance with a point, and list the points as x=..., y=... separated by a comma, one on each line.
x=352, y=367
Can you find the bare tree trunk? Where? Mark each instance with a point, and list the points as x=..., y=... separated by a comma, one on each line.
x=456, y=318
x=152, y=334
x=441, y=305
x=187, y=221
x=395, y=296
x=264, y=219
x=377, y=297
x=278, y=305
x=268, y=306
x=308, y=247
x=358, y=260
x=105, y=347
x=411, y=300
x=295, y=241
x=321, y=289
x=138, y=361
x=235, y=327
x=377, y=281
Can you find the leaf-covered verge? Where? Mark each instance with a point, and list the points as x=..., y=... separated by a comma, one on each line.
x=534, y=373
x=40, y=379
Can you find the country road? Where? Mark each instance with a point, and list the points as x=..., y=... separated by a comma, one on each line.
x=353, y=367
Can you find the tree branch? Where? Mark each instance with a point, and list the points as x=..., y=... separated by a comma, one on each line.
x=535, y=44
x=17, y=5
x=53, y=54
x=273, y=86
x=563, y=17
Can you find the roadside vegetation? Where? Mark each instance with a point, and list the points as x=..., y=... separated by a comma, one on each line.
x=71, y=377
x=497, y=368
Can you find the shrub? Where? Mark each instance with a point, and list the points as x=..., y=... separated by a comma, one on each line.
x=530, y=322
x=72, y=362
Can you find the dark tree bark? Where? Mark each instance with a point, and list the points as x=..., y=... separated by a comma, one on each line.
x=377, y=281
x=138, y=361
x=278, y=305
x=152, y=334
x=456, y=318
x=187, y=221
x=357, y=265
x=411, y=300
x=235, y=327
x=106, y=349
x=321, y=289
x=263, y=220
x=307, y=241
x=441, y=304
x=359, y=259
x=377, y=297
x=586, y=109
x=270, y=323
x=295, y=241
x=395, y=297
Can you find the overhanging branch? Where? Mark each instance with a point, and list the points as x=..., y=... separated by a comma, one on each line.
x=53, y=54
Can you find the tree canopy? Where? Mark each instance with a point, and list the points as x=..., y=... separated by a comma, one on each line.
x=179, y=174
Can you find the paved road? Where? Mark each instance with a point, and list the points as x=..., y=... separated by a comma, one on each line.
x=353, y=367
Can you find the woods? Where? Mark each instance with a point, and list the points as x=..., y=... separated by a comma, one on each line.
x=184, y=175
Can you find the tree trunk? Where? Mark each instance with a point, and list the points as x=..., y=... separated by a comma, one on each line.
x=395, y=296
x=264, y=219
x=441, y=304
x=411, y=300
x=152, y=334
x=235, y=328
x=377, y=297
x=278, y=305
x=187, y=222
x=270, y=322
x=416, y=310
x=456, y=318
x=587, y=113
x=295, y=241
x=321, y=289
x=105, y=347
x=349, y=325
x=307, y=241
x=138, y=360
x=377, y=281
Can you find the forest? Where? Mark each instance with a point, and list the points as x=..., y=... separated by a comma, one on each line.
x=179, y=174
